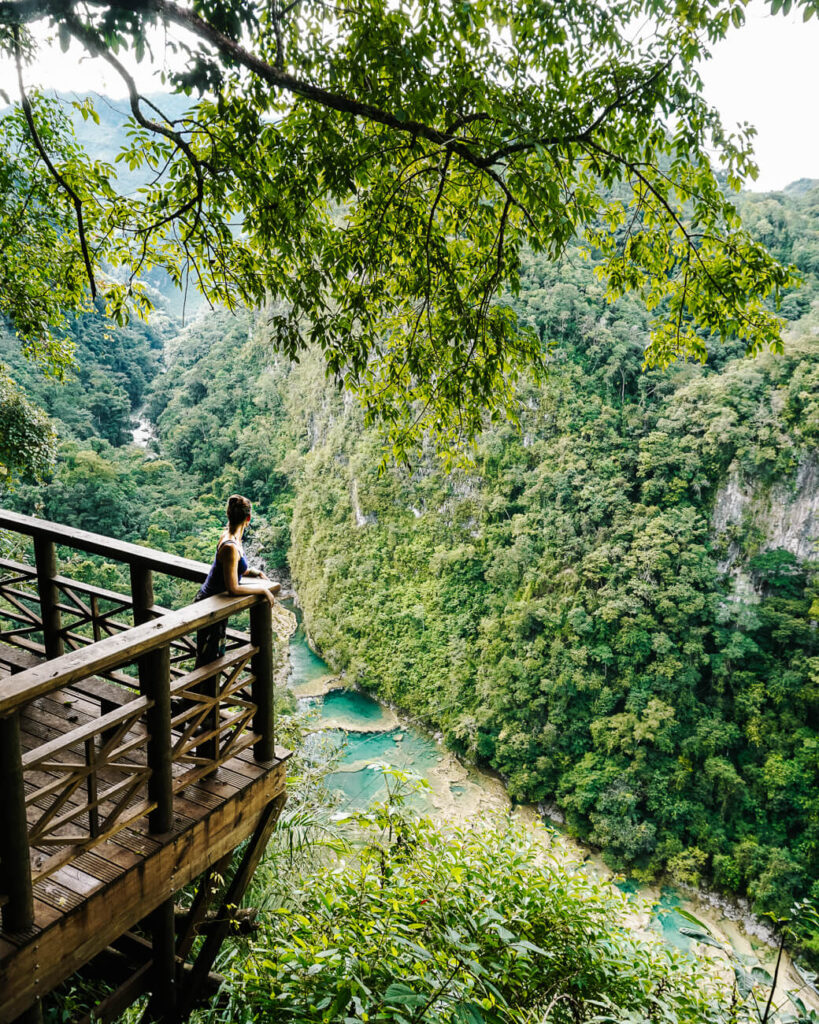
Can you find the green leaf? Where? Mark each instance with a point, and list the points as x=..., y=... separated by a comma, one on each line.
x=402, y=995
x=704, y=937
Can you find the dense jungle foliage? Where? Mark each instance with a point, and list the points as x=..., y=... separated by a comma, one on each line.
x=581, y=610
x=415, y=922
x=384, y=916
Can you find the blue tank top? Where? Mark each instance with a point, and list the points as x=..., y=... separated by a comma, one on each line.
x=215, y=582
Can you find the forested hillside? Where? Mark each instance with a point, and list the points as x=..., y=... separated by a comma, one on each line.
x=568, y=612
x=587, y=608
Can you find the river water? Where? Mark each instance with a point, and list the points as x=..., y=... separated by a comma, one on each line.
x=367, y=733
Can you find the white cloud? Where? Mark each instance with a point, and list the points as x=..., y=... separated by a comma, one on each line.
x=75, y=71
x=767, y=73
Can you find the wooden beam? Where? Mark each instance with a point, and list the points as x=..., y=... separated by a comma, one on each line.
x=142, y=592
x=199, y=908
x=33, y=1015
x=162, y=1005
x=243, y=921
x=155, y=684
x=114, y=1005
x=117, y=650
x=235, y=892
x=98, y=544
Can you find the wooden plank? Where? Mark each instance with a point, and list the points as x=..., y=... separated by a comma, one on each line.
x=57, y=896
x=136, y=839
x=103, y=690
x=69, y=703
x=195, y=794
x=79, y=935
x=114, y=651
x=218, y=786
x=249, y=769
x=98, y=867
x=44, y=914
x=30, y=645
x=17, y=659
x=91, y=591
x=113, y=853
x=192, y=809
x=44, y=723
x=212, y=668
x=115, y=597
x=98, y=544
x=19, y=568
x=78, y=881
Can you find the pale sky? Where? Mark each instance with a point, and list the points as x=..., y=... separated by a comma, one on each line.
x=766, y=73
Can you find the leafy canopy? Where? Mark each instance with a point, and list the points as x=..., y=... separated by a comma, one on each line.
x=372, y=172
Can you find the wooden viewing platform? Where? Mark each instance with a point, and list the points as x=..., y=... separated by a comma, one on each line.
x=126, y=774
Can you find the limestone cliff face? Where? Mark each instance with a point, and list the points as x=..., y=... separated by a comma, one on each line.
x=786, y=514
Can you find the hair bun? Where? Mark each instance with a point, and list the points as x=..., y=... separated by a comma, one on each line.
x=238, y=509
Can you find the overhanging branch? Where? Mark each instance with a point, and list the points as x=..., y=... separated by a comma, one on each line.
x=93, y=44
x=52, y=170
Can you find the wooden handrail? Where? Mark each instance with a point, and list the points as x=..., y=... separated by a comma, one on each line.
x=114, y=651
x=98, y=544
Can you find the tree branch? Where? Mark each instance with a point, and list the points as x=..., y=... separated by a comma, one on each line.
x=672, y=213
x=92, y=43
x=52, y=170
x=24, y=11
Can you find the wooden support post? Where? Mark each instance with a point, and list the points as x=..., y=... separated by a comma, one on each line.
x=162, y=1006
x=18, y=912
x=113, y=1006
x=91, y=787
x=261, y=636
x=95, y=619
x=155, y=683
x=208, y=887
x=45, y=557
x=233, y=896
x=142, y=593
x=33, y=1015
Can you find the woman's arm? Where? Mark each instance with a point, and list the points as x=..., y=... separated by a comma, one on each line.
x=229, y=558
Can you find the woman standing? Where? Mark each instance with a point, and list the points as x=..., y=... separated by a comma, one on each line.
x=229, y=566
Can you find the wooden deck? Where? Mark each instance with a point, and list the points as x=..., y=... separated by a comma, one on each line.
x=126, y=774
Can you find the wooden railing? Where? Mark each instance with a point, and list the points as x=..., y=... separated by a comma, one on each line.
x=49, y=613
x=162, y=724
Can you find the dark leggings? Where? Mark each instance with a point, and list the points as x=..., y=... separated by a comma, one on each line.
x=210, y=641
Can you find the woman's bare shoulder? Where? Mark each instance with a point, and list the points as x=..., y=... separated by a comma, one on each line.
x=227, y=546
